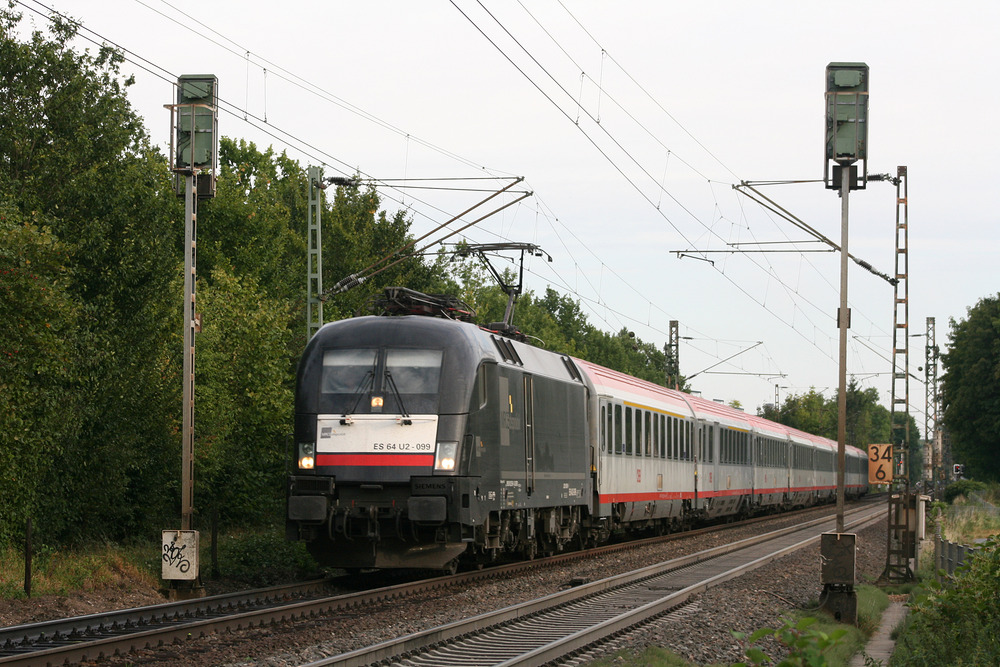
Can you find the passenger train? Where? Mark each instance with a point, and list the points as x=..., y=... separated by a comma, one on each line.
x=426, y=442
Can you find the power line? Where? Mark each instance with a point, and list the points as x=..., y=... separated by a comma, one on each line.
x=309, y=149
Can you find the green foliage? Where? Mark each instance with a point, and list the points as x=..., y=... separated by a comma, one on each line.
x=962, y=487
x=810, y=412
x=91, y=261
x=244, y=395
x=867, y=421
x=971, y=389
x=958, y=623
x=807, y=645
x=40, y=365
x=80, y=182
x=263, y=558
x=249, y=228
x=358, y=237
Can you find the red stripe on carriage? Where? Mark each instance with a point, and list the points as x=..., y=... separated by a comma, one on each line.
x=644, y=497
x=382, y=460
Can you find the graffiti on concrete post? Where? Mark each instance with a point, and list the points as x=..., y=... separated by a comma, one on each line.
x=180, y=554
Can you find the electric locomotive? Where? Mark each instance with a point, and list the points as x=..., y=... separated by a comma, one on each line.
x=425, y=440
x=420, y=437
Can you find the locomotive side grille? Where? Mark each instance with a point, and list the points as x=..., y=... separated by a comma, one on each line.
x=574, y=372
x=305, y=486
x=507, y=351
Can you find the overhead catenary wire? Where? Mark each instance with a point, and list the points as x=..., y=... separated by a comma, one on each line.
x=740, y=287
x=272, y=70
x=369, y=271
x=605, y=54
x=269, y=128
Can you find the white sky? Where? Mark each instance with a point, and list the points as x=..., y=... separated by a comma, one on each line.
x=691, y=97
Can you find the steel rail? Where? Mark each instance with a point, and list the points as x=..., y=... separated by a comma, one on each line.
x=111, y=633
x=76, y=625
x=407, y=648
x=652, y=610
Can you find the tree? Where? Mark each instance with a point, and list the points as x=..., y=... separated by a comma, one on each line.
x=971, y=389
x=809, y=412
x=255, y=226
x=75, y=160
x=357, y=239
x=40, y=364
x=244, y=399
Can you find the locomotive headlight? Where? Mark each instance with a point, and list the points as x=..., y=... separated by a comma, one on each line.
x=445, y=457
x=307, y=455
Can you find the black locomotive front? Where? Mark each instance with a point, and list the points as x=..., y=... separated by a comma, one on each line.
x=422, y=440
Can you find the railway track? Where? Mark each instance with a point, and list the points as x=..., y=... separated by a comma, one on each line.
x=561, y=624
x=114, y=633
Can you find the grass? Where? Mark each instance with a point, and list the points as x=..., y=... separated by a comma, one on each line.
x=88, y=568
x=872, y=603
x=247, y=558
x=968, y=519
x=965, y=527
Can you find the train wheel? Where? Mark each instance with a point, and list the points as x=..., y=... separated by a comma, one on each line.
x=450, y=568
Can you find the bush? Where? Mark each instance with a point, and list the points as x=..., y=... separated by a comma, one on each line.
x=806, y=644
x=263, y=558
x=957, y=624
x=962, y=487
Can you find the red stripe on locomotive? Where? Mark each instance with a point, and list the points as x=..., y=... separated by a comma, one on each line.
x=384, y=460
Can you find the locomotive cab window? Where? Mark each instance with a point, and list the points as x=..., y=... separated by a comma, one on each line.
x=347, y=371
x=404, y=379
x=414, y=371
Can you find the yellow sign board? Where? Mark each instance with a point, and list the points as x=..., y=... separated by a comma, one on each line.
x=880, y=464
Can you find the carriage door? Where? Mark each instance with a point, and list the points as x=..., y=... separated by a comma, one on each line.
x=529, y=434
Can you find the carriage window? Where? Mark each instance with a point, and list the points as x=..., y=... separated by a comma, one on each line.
x=628, y=430
x=639, y=436
x=647, y=434
x=640, y=431
x=605, y=418
x=671, y=437
x=347, y=371
x=616, y=431
x=414, y=371
x=678, y=434
x=663, y=436
x=656, y=435
x=685, y=444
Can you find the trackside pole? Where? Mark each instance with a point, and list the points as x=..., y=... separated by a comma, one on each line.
x=193, y=149
x=846, y=144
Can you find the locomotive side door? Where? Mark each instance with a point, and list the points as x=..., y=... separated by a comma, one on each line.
x=512, y=440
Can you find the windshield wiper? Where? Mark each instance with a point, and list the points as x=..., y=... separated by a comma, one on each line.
x=399, y=399
x=362, y=386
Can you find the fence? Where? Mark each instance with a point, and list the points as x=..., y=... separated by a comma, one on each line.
x=949, y=555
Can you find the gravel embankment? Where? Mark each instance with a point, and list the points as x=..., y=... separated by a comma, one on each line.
x=700, y=633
